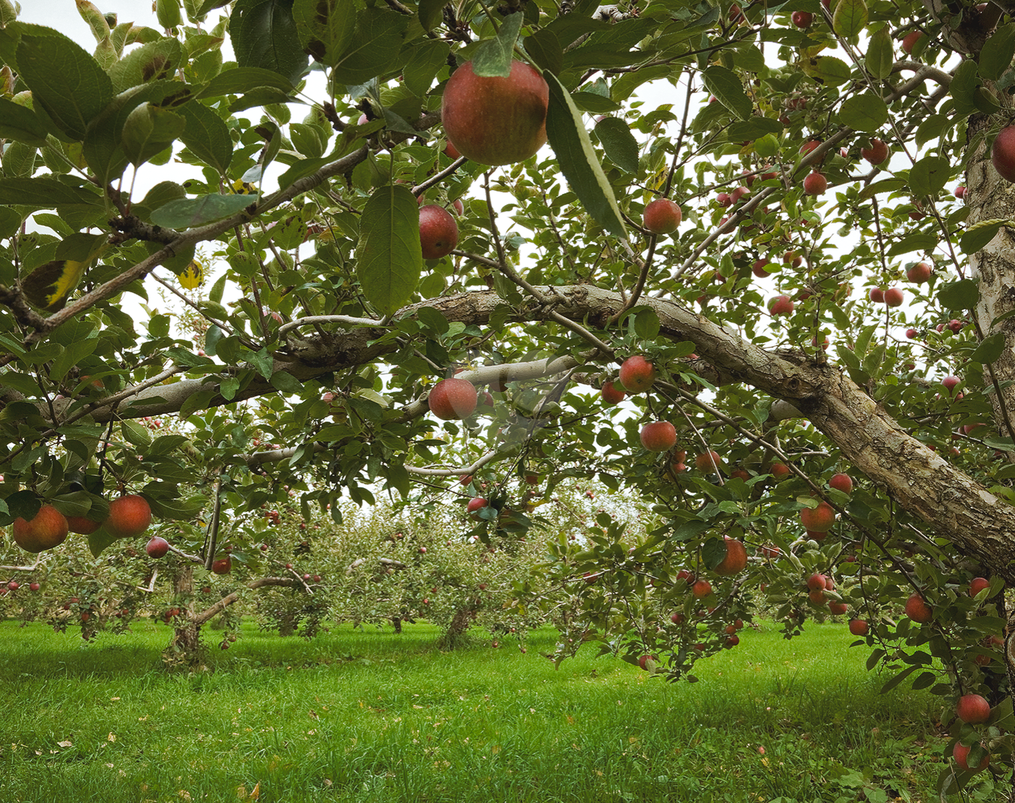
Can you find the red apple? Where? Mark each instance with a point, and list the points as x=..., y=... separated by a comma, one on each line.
x=222, y=565
x=950, y=383
x=837, y=608
x=918, y=610
x=708, y=462
x=453, y=399
x=961, y=753
x=82, y=525
x=758, y=269
x=496, y=121
x=911, y=333
x=972, y=708
x=47, y=530
x=781, y=305
x=128, y=516
x=977, y=585
x=841, y=482
x=960, y=192
x=779, y=470
x=701, y=589
x=637, y=374
x=877, y=295
x=476, y=503
x=815, y=183
x=735, y=560
x=659, y=437
x=802, y=19
x=894, y=297
x=662, y=216
x=876, y=152
x=920, y=272
x=858, y=627
x=157, y=547
x=816, y=582
x=438, y=232
x=611, y=394
x=818, y=519
x=910, y=39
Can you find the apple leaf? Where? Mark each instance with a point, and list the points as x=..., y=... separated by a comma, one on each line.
x=713, y=552
x=965, y=80
x=728, y=90
x=374, y=49
x=43, y=192
x=865, y=112
x=207, y=136
x=570, y=141
x=849, y=18
x=21, y=123
x=389, y=255
x=997, y=52
x=978, y=235
x=65, y=80
x=962, y=294
x=990, y=349
x=325, y=27
x=880, y=55
x=189, y=212
x=619, y=143
x=99, y=540
x=493, y=57
x=430, y=13
x=828, y=70
x=264, y=35
x=929, y=175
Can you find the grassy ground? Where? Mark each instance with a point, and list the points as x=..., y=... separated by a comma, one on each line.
x=371, y=716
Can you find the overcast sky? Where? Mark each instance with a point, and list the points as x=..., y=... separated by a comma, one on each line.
x=63, y=15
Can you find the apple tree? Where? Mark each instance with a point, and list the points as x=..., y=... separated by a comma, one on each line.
x=825, y=292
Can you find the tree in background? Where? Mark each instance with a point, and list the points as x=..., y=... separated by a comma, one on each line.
x=788, y=228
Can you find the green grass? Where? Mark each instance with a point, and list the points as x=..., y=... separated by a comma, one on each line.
x=371, y=716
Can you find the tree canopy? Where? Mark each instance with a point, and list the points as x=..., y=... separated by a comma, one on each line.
x=213, y=295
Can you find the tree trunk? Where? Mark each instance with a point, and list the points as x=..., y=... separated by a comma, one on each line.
x=460, y=623
x=185, y=651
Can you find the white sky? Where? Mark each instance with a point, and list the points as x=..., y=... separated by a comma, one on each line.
x=63, y=15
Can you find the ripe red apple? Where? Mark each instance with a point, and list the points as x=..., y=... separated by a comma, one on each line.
x=637, y=374
x=816, y=582
x=781, y=305
x=960, y=192
x=701, y=589
x=735, y=560
x=496, y=121
x=858, y=627
x=157, y=547
x=779, y=470
x=732, y=641
x=837, y=608
x=911, y=333
x=910, y=39
x=815, y=183
x=977, y=585
x=128, y=516
x=708, y=462
x=451, y=151
x=13, y=585
x=222, y=565
x=476, y=503
x=961, y=753
x=662, y=216
x=877, y=295
x=1002, y=153
x=918, y=610
x=659, y=436
x=920, y=272
x=818, y=519
x=758, y=269
x=677, y=618
x=438, y=232
x=841, y=482
x=738, y=194
x=894, y=297
x=611, y=394
x=972, y=708
x=802, y=19
x=724, y=199
x=817, y=596
x=453, y=399
x=950, y=383
x=47, y=530
x=876, y=152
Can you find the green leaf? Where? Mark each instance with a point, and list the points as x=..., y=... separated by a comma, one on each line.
x=45, y=193
x=264, y=35
x=929, y=175
x=190, y=212
x=21, y=123
x=880, y=54
x=150, y=130
x=577, y=159
x=619, y=143
x=728, y=90
x=990, y=349
x=207, y=136
x=389, y=256
x=864, y=112
x=965, y=81
x=978, y=235
x=99, y=541
x=150, y=62
x=493, y=57
x=962, y=294
x=646, y=323
x=828, y=70
x=427, y=59
x=752, y=129
x=68, y=83
x=997, y=52
x=241, y=80
x=374, y=49
x=849, y=18
x=325, y=27
x=430, y=13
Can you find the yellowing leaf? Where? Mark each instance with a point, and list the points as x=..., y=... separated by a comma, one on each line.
x=192, y=275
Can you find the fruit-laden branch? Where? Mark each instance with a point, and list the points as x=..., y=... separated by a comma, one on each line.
x=229, y=599
x=977, y=522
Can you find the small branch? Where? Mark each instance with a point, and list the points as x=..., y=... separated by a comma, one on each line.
x=229, y=599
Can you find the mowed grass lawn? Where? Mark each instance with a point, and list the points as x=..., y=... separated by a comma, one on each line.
x=374, y=716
